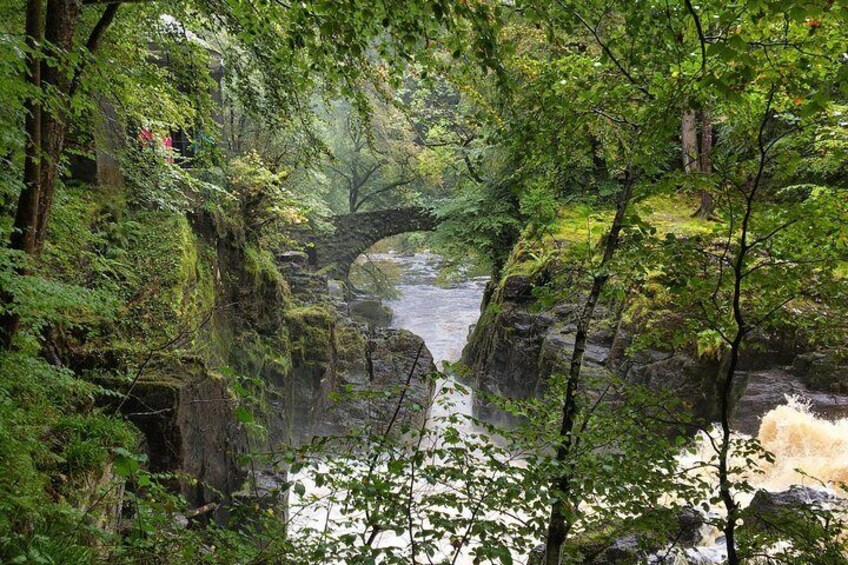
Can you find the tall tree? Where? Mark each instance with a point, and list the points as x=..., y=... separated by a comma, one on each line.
x=375, y=161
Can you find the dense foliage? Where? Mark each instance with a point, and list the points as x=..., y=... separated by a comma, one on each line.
x=681, y=165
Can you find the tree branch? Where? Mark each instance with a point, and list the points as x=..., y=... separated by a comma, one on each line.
x=386, y=188
x=607, y=51
x=701, y=38
x=94, y=41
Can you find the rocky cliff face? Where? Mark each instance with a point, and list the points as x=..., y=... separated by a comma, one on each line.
x=345, y=376
x=208, y=315
x=516, y=346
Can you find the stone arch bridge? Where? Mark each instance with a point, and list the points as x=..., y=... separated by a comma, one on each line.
x=355, y=233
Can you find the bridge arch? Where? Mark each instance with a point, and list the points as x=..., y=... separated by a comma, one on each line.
x=354, y=233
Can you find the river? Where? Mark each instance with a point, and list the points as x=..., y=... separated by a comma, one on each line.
x=800, y=435
x=809, y=431
x=441, y=314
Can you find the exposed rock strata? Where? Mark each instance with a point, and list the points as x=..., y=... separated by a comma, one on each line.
x=241, y=315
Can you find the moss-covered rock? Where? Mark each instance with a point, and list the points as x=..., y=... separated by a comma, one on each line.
x=193, y=307
x=371, y=312
x=823, y=370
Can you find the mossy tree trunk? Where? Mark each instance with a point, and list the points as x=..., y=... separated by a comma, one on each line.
x=705, y=163
x=697, y=153
x=52, y=30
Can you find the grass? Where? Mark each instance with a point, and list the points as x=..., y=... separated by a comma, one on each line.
x=579, y=228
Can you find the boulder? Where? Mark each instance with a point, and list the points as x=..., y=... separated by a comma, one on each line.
x=628, y=549
x=617, y=547
x=537, y=555
x=297, y=258
x=825, y=371
x=517, y=289
x=400, y=366
x=371, y=312
x=262, y=492
x=778, y=510
x=690, y=523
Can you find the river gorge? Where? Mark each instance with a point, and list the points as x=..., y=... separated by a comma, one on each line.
x=805, y=430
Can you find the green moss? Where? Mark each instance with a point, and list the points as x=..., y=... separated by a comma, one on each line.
x=261, y=354
x=673, y=214
x=349, y=343
x=260, y=263
x=170, y=289
x=579, y=228
x=310, y=330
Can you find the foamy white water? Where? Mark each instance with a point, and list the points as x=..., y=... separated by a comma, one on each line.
x=442, y=315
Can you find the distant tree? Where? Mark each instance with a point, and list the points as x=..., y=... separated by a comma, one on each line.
x=375, y=161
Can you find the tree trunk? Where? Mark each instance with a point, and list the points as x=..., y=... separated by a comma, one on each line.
x=706, y=156
x=724, y=479
x=689, y=141
x=705, y=210
x=45, y=131
x=707, y=207
x=559, y=525
x=352, y=199
x=26, y=215
x=62, y=20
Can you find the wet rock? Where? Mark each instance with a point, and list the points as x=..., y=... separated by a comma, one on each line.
x=557, y=349
x=779, y=510
x=399, y=365
x=623, y=550
x=262, y=492
x=211, y=439
x=336, y=290
x=628, y=549
x=297, y=258
x=823, y=370
x=187, y=417
x=517, y=289
x=694, y=381
x=620, y=544
x=359, y=381
x=690, y=522
x=537, y=555
x=504, y=352
x=307, y=287
x=371, y=312
x=513, y=351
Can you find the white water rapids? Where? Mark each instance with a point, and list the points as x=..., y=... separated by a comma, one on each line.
x=442, y=315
